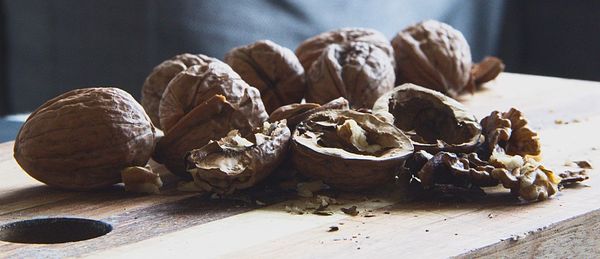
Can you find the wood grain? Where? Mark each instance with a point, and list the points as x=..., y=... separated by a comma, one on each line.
x=193, y=225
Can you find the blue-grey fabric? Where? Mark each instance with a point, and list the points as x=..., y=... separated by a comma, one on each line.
x=55, y=46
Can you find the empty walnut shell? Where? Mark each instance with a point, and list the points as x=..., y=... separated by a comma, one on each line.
x=433, y=121
x=274, y=70
x=156, y=83
x=208, y=121
x=235, y=163
x=357, y=71
x=82, y=139
x=434, y=55
x=349, y=150
x=198, y=83
x=297, y=112
x=311, y=49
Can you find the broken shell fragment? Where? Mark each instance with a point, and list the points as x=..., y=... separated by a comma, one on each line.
x=234, y=162
x=141, y=180
x=297, y=112
x=433, y=121
x=349, y=150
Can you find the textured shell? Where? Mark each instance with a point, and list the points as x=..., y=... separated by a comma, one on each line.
x=295, y=113
x=434, y=55
x=156, y=83
x=357, y=71
x=82, y=139
x=274, y=70
x=339, y=167
x=211, y=120
x=198, y=83
x=310, y=50
x=434, y=122
x=229, y=170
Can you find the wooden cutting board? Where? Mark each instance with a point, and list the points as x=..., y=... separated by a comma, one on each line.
x=173, y=224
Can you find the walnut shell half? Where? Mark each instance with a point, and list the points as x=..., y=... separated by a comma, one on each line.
x=235, y=163
x=433, y=121
x=82, y=139
x=434, y=55
x=274, y=70
x=156, y=83
x=310, y=50
x=357, y=71
x=198, y=83
x=297, y=112
x=349, y=150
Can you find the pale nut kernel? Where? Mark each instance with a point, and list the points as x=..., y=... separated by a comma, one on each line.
x=141, y=180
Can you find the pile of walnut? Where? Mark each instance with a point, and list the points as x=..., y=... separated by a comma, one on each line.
x=225, y=126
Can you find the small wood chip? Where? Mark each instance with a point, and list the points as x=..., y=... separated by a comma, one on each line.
x=583, y=164
x=333, y=229
x=352, y=211
x=323, y=212
x=369, y=215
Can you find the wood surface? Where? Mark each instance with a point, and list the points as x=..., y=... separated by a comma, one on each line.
x=176, y=224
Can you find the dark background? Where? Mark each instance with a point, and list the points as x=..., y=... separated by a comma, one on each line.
x=49, y=47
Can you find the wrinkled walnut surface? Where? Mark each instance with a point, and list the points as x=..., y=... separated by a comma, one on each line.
x=310, y=50
x=295, y=113
x=274, y=70
x=156, y=83
x=82, y=139
x=208, y=121
x=432, y=120
x=234, y=163
x=357, y=71
x=198, y=83
x=349, y=150
x=434, y=55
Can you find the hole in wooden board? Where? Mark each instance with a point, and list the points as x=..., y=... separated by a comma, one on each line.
x=53, y=230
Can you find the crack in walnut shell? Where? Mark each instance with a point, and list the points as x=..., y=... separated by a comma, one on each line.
x=198, y=83
x=510, y=132
x=156, y=83
x=82, y=139
x=433, y=121
x=311, y=49
x=357, y=71
x=366, y=154
x=234, y=163
x=274, y=70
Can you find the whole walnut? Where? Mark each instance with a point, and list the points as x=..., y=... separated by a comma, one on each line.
x=357, y=71
x=274, y=70
x=156, y=83
x=311, y=49
x=82, y=139
x=434, y=55
x=198, y=83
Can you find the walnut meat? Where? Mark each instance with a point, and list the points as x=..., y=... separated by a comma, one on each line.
x=235, y=163
x=210, y=120
x=141, y=180
x=448, y=168
x=433, y=121
x=311, y=49
x=198, y=83
x=357, y=71
x=295, y=113
x=82, y=139
x=156, y=83
x=510, y=132
x=434, y=55
x=274, y=70
x=349, y=150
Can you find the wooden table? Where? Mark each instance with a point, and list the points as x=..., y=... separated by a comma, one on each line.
x=175, y=224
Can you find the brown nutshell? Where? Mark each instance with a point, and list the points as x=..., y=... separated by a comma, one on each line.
x=295, y=113
x=274, y=70
x=156, y=83
x=82, y=139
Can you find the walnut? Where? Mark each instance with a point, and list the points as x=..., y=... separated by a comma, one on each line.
x=234, y=162
x=448, y=168
x=295, y=113
x=274, y=70
x=198, y=83
x=510, y=132
x=141, y=180
x=156, y=83
x=349, y=150
x=433, y=121
x=531, y=181
x=357, y=71
x=82, y=139
x=210, y=120
x=311, y=49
